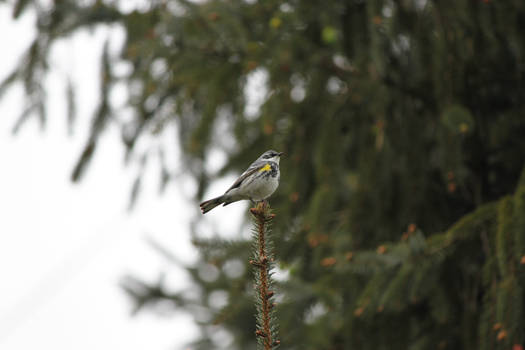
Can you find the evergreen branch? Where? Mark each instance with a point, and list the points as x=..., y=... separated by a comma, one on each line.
x=466, y=227
x=262, y=261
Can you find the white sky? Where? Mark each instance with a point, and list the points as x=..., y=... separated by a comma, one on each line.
x=64, y=247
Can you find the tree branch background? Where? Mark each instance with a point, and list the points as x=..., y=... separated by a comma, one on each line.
x=400, y=206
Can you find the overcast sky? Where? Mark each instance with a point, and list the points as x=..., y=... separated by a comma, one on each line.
x=64, y=247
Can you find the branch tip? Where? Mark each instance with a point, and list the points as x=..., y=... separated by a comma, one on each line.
x=262, y=255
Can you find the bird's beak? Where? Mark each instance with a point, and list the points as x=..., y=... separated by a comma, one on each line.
x=280, y=153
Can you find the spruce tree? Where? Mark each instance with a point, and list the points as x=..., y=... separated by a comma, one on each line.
x=401, y=209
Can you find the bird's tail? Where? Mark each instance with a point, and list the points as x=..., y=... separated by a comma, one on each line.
x=212, y=203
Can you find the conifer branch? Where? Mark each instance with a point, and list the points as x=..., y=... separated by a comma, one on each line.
x=262, y=261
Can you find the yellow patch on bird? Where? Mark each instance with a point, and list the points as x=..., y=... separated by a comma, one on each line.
x=267, y=167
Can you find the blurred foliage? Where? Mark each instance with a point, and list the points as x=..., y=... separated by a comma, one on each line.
x=400, y=217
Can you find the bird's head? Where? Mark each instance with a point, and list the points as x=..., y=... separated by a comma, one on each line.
x=271, y=155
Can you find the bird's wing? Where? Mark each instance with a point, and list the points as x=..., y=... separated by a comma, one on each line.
x=255, y=167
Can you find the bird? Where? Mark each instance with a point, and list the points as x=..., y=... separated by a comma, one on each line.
x=257, y=183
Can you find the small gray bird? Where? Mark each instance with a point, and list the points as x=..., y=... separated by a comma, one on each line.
x=257, y=183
